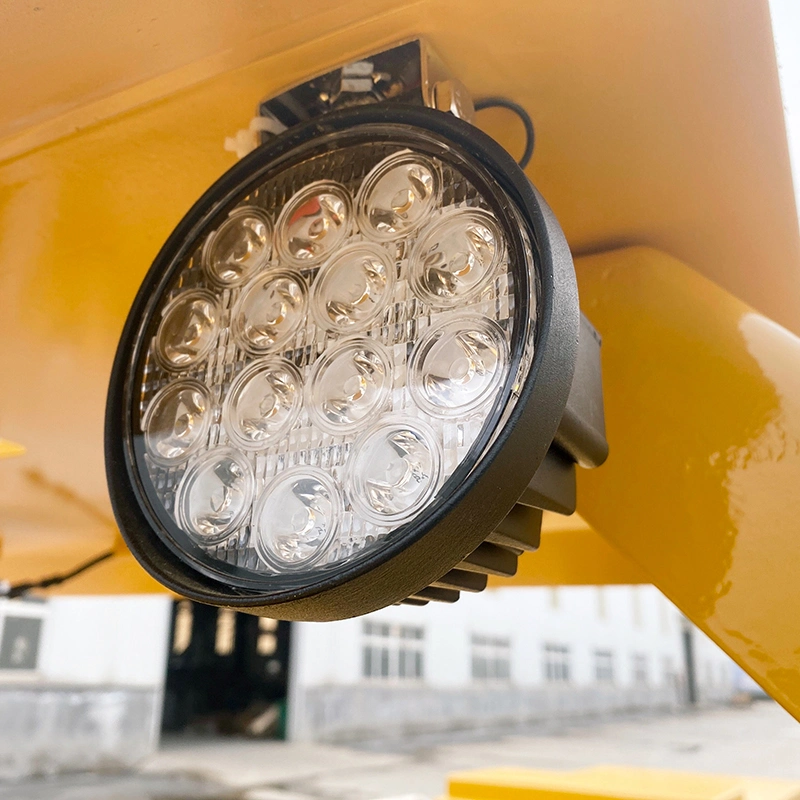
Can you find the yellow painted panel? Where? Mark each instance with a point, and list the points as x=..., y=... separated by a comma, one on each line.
x=702, y=399
x=607, y=783
x=9, y=449
x=571, y=553
x=657, y=123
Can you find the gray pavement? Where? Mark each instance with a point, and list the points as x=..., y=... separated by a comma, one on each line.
x=760, y=741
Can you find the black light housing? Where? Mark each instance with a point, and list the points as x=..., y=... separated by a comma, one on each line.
x=543, y=419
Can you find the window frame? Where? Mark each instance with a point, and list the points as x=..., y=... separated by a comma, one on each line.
x=557, y=663
x=604, y=667
x=396, y=648
x=494, y=654
x=30, y=608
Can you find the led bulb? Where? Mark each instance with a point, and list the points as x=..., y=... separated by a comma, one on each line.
x=394, y=470
x=458, y=366
x=240, y=246
x=313, y=223
x=349, y=386
x=353, y=287
x=263, y=403
x=176, y=421
x=189, y=329
x=398, y=196
x=270, y=310
x=215, y=495
x=455, y=257
x=296, y=518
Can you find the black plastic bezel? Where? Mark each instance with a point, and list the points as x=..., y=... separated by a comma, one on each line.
x=465, y=518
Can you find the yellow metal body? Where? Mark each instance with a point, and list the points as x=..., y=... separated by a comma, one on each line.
x=609, y=783
x=658, y=124
x=9, y=449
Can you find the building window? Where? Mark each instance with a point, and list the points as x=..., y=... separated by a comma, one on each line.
x=556, y=663
x=636, y=599
x=604, y=666
x=182, y=628
x=491, y=658
x=19, y=646
x=640, y=676
x=267, y=642
x=225, y=639
x=602, y=603
x=393, y=652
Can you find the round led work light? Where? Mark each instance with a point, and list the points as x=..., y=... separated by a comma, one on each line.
x=343, y=370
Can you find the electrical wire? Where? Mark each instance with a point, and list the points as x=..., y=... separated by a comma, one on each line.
x=525, y=117
x=19, y=589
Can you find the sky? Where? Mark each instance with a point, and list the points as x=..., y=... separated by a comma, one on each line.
x=786, y=27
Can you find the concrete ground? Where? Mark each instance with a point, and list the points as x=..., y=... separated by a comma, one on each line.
x=760, y=741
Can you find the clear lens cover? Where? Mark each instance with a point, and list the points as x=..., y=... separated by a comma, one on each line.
x=238, y=248
x=394, y=471
x=177, y=420
x=189, y=329
x=313, y=223
x=458, y=366
x=349, y=386
x=270, y=310
x=398, y=196
x=215, y=495
x=353, y=287
x=296, y=518
x=309, y=392
x=263, y=403
x=456, y=256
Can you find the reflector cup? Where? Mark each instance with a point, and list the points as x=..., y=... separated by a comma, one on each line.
x=296, y=518
x=353, y=288
x=399, y=194
x=313, y=223
x=238, y=248
x=188, y=330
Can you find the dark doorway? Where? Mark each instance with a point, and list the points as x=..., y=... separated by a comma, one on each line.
x=227, y=673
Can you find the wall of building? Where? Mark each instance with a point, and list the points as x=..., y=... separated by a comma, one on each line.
x=333, y=699
x=90, y=696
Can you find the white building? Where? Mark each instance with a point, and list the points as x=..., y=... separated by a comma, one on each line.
x=89, y=682
x=501, y=659
x=81, y=682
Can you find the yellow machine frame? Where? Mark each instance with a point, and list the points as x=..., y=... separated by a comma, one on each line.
x=662, y=149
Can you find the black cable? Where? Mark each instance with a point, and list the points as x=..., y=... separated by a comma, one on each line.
x=19, y=589
x=530, y=136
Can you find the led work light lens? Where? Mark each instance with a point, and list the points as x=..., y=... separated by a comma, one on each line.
x=458, y=366
x=263, y=403
x=394, y=471
x=188, y=330
x=270, y=310
x=350, y=384
x=215, y=495
x=353, y=288
x=398, y=196
x=313, y=223
x=297, y=518
x=331, y=358
x=456, y=257
x=177, y=421
x=239, y=247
